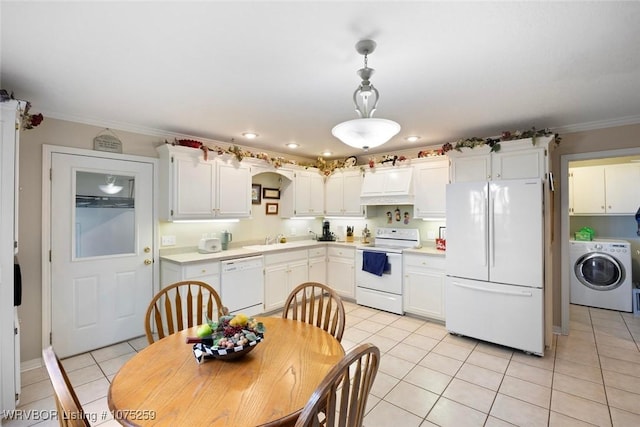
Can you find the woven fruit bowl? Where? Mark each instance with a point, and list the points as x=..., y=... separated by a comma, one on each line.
x=229, y=338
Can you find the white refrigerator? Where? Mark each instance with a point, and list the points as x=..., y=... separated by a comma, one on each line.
x=495, y=262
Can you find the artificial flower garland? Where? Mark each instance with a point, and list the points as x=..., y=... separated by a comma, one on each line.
x=327, y=167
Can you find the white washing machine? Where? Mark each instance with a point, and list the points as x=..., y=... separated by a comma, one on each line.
x=601, y=274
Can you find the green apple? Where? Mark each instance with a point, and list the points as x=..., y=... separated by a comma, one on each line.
x=204, y=330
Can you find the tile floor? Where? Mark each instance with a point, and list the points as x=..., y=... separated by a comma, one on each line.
x=428, y=377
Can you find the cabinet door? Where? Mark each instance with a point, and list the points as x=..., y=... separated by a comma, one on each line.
x=341, y=276
x=316, y=194
x=276, y=289
x=334, y=188
x=588, y=190
x=622, y=189
x=471, y=168
x=521, y=164
x=352, y=187
x=431, y=181
x=193, y=188
x=424, y=292
x=298, y=273
x=234, y=190
x=318, y=270
x=309, y=194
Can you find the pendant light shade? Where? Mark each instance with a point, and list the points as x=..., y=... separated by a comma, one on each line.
x=366, y=132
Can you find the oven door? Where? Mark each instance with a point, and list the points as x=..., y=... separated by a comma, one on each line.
x=390, y=281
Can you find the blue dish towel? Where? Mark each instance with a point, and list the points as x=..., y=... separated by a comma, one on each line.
x=375, y=263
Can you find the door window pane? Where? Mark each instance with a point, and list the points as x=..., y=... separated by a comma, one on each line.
x=104, y=214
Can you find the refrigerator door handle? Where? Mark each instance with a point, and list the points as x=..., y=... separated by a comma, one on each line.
x=492, y=231
x=485, y=246
x=494, y=291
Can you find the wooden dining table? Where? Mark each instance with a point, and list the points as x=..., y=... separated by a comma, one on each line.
x=165, y=385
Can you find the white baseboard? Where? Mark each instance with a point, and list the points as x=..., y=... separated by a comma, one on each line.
x=31, y=364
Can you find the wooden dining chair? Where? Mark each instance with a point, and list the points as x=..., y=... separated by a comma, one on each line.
x=180, y=306
x=341, y=398
x=70, y=412
x=316, y=304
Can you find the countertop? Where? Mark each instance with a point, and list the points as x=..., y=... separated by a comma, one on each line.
x=191, y=255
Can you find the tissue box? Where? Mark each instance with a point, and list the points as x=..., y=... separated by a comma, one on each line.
x=583, y=235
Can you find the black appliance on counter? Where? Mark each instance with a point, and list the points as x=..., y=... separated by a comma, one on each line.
x=327, y=235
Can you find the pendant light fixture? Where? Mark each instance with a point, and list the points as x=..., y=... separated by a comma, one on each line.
x=366, y=132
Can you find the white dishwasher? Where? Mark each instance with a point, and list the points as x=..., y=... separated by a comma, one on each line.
x=242, y=285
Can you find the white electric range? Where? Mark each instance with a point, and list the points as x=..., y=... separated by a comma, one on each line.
x=379, y=285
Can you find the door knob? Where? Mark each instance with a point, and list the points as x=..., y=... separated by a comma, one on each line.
x=148, y=262
x=147, y=249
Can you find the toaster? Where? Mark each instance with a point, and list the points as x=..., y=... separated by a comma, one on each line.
x=209, y=245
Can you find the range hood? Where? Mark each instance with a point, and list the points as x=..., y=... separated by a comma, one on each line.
x=388, y=186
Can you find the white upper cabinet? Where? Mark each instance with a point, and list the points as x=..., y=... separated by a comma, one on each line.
x=604, y=189
x=342, y=193
x=431, y=179
x=304, y=195
x=518, y=159
x=233, y=187
x=192, y=188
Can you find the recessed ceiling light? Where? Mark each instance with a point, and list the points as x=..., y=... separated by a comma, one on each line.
x=326, y=153
x=412, y=138
x=250, y=135
x=292, y=145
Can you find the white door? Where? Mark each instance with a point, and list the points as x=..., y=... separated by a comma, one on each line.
x=101, y=251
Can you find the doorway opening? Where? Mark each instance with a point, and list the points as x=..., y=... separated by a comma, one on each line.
x=569, y=223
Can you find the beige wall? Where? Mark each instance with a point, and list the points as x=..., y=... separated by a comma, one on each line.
x=58, y=132
x=61, y=133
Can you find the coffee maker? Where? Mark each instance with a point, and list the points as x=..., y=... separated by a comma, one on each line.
x=327, y=235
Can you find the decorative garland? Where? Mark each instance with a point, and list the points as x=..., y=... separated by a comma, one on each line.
x=29, y=121
x=494, y=143
x=327, y=167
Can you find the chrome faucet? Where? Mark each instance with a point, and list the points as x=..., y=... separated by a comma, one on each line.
x=268, y=240
x=315, y=235
x=279, y=238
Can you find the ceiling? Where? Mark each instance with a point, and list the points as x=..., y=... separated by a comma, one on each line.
x=287, y=70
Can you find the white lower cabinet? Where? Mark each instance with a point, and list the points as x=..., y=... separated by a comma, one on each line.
x=204, y=271
x=318, y=265
x=424, y=277
x=341, y=273
x=283, y=271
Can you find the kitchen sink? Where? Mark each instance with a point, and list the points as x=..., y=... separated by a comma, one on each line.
x=277, y=246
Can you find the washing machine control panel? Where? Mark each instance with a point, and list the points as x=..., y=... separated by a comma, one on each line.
x=611, y=247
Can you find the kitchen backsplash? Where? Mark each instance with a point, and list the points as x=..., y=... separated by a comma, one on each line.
x=254, y=230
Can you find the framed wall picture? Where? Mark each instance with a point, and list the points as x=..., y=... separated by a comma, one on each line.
x=271, y=209
x=256, y=194
x=270, y=193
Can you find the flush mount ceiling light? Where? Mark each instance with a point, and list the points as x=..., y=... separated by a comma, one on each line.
x=366, y=132
x=250, y=135
x=110, y=187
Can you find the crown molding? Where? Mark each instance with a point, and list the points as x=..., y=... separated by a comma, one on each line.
x=598, y=124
